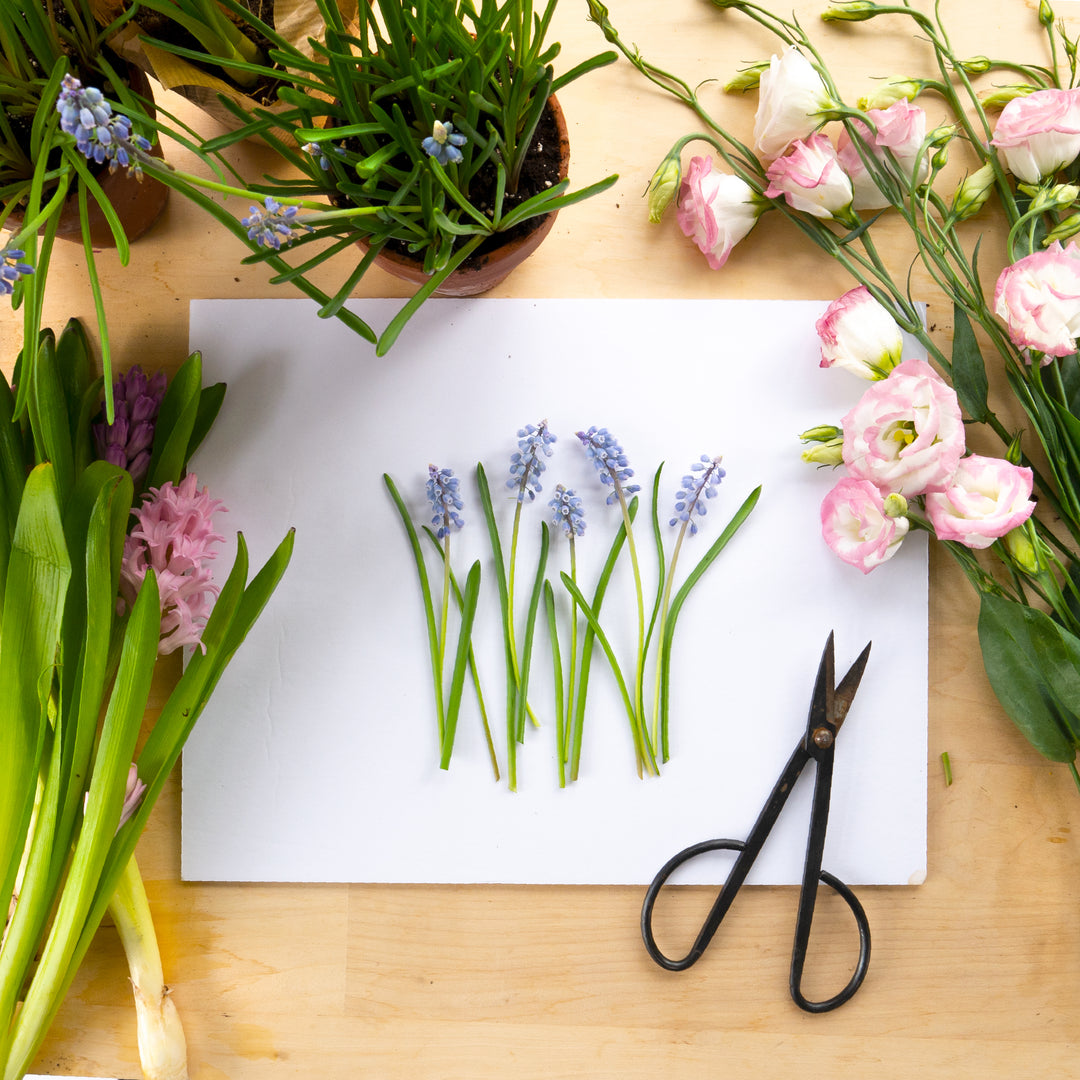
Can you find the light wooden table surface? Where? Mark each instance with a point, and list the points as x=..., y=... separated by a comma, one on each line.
x=973, y=973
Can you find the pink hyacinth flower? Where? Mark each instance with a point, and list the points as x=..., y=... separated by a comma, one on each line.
x=174, y=536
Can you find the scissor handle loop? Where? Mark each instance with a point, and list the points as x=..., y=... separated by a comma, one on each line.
x=708, y=929
x=705, y=935
x=862, y=965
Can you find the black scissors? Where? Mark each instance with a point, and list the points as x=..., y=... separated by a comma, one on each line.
x=828, y=708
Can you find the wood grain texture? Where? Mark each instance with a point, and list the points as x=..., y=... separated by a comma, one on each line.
x=973, y=972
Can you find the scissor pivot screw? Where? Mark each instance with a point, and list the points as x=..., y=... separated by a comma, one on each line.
x=823, y=738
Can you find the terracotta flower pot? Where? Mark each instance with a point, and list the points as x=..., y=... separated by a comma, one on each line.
x=484, y=271
x=137, y=203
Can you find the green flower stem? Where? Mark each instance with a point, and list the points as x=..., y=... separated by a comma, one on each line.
x=521, y=702
x=557, y=679
x=461, y=659
x=638, y=711
x=162, y=1046
x=573, y=654
x=511, y=638
x=665, y=606
x=443, y=618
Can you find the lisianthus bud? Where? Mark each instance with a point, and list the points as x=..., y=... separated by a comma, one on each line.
x=1013, y=453
x=850, y=11
x=830, y=453
x=1021, y=544
x=1000, y=96
x=748, y=78
x=663, y=185
x=1046, y=14
x=974, y=190
x=599, y=15
x=976, y=65
x=1064, y=229
x=823, y=433
x=895, y=505
x=894, y=89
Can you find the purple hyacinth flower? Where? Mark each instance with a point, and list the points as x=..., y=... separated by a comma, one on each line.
x=128, y=440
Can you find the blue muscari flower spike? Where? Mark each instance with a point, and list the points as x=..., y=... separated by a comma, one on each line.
x=443, y=494
x=12, y=268
x=610, y=461
x=443, y=142
x=567, y=511
x=99, y=135
x=690, y=498
x=527, y=462
x=271, y=224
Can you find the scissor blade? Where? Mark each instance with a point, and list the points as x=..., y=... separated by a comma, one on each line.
x=845, y=692
x=821, y=704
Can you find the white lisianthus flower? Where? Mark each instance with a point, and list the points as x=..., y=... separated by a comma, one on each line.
x=1039, y=134
x=1039, y=299
x=792, y=100
x=716, y=210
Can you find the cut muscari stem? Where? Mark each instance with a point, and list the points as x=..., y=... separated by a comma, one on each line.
x=612, y=466
x=526, y=466
x=690, y=501
x=569, y=515
x=162, y=1046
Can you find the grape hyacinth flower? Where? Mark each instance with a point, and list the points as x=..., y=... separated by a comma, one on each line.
x=689, y=498
x=443, y=492
x=443, y=142
x=567, y=512
x=128, y=440
x=609, y=460
x=527, y=462
x=174, y=535
x=99, y=134
x=272, y=224
x=12, y=268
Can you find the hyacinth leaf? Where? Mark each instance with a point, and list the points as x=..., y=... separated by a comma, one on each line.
x=661, y=562
x=521, y=702
x=474, y=673
x=461, y=661
x=73, y=361
x=425, y=591
x=87, y=411
x=968, y=368
x=175, y=423
x=642, y=748
x=1033, y=665
x=557, y=678
x=116, y=747
x=504, y=606
x=590, y=638
x=38, y=575
x=692, y=579
x=12, y=478
x=210, y=401
x=49, y=412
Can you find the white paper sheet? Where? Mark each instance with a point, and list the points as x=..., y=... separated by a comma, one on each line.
x=316, y=760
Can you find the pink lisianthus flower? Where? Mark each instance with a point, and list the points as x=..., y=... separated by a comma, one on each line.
x=716, y=210
x=174, y=535
x=792, y=99
x=857, y=526
x=1039, y=299
x=985, y=499
x=1039, y=134
x=900, y=132
x=905, y=434
x=858, y=334
x=811, y=179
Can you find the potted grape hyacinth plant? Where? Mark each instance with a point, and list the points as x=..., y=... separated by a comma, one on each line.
x=104, y=543
x=49, y=187
x=432, y=135
x=1011, y=519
